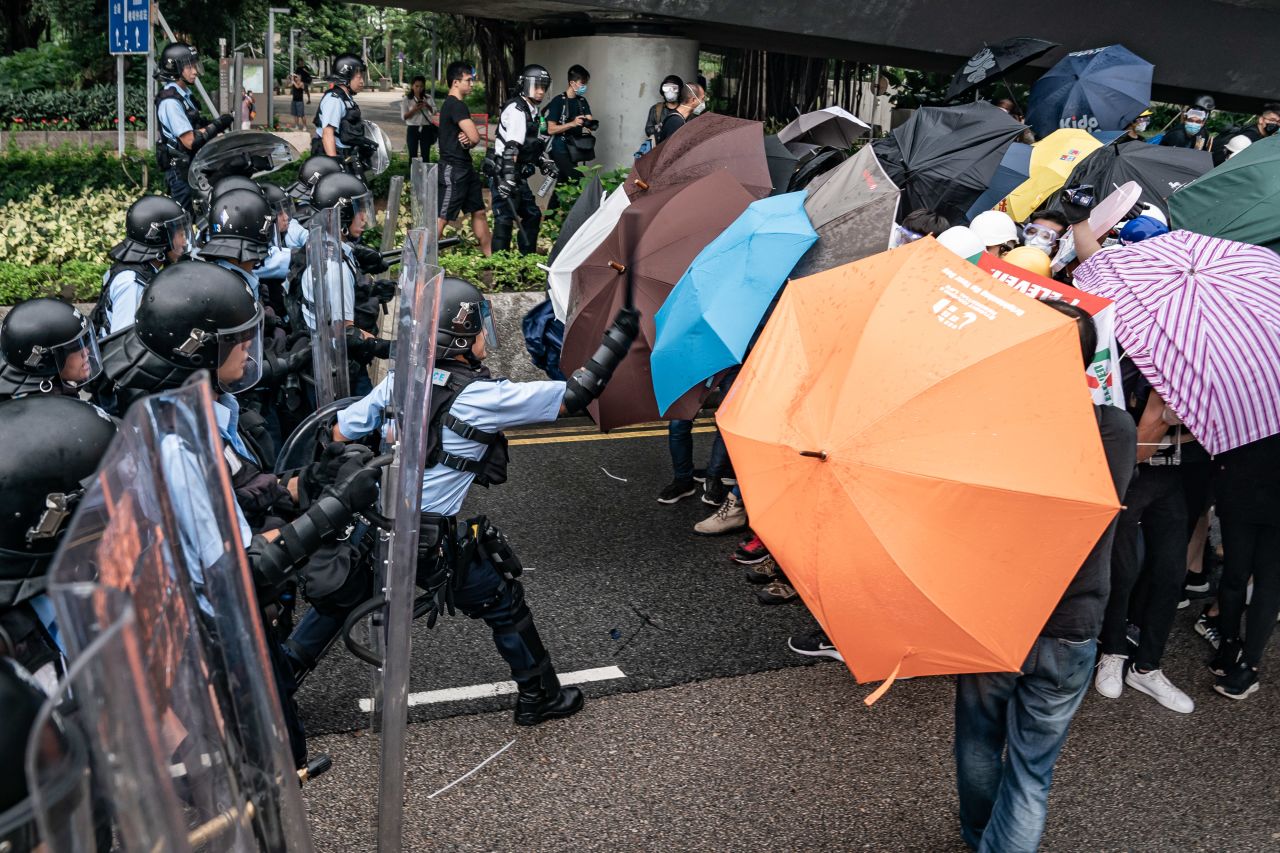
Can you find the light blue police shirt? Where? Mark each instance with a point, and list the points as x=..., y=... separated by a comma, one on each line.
x=296, y=236
x=487, y=406
x=125, y=294
x=275, y=265
x=341, y=284
x=332, y=109
x=251, y=279
x=171, y=114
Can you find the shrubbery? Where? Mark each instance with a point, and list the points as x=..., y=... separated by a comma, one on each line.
x=92, y=108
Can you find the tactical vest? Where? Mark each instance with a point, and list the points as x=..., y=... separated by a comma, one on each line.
x=102, y=310
x=529, y=150
x=449, y=381
x=350, y=127
x=169, y=152
x=258, y=492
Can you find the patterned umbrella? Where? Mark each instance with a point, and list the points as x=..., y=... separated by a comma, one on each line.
x=1200, y=317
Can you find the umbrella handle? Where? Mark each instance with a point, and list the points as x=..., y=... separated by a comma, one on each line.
x=642, y=184
x=617, y=267
x=815, y=454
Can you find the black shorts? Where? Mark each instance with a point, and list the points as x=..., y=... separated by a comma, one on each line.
x=459, y=191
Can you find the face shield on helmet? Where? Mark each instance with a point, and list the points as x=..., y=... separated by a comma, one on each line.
x=240, y=355
x=178, y=234
x=358, y=213
x=77, y=360
x=487, y=326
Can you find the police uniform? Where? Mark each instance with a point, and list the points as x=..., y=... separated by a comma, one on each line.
x=519, y=126
x=338, y=110
x=176, y=114
x=122, y=288
x=342, y=290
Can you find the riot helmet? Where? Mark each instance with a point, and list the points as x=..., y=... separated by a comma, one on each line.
x=278, y=201
x=175, y=57
x=464, y=314
x=313, y=169
x=240, y=226
x=154, y=228
x=232, y=182
x=349, y=195
x=345, y=68
x=50, y=447
x=192, y=316
x=531, y=78
x=46, y=344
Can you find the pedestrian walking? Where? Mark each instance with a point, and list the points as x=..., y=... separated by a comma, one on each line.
x=418, y=109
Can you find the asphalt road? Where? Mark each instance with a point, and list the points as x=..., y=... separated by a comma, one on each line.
x=718, y=737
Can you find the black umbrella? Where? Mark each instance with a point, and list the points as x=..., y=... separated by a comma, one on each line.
x=996, y=60
x=782, y=163
x=944, y=158
x=815, y=165
x=1157, y=169
x=587, y=204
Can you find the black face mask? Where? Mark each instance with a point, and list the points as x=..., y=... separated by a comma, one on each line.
x=1270, y=127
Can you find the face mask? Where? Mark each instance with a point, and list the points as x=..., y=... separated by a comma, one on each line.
x=1141, y=125
x=1192, y=128
x=699, y=108
x=1270, y=127
x=669, y=92
x=581, y=90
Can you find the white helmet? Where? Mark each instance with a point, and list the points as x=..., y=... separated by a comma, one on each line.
x=1155, y=213
x=1236, y=144
x=994, y=228
x=961, y=240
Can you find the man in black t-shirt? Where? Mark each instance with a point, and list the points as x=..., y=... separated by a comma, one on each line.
x=693, y=100
x=460, y=187
x=566, y=116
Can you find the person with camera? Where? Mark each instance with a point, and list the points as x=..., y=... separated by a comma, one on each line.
x=417, y=108
x=570, y=125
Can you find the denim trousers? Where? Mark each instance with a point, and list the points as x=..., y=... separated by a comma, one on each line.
x=680, y=443
x=1010, y=727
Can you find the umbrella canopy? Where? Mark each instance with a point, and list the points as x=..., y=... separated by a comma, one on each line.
x=587, y=204
x=1239, y=200
x=656, y=239
x=1014, y=169
x=853, y=210
x=782, y=164
x=814, y=167
x=710, y=317
x=875, y=417
x=1052, y=160
x=943, y=158
x=1158, y=170
x=833, y=126
x=1101, y=89
x=1200, y=317
x=579, y=247
x=994, y=61
x=708, y=143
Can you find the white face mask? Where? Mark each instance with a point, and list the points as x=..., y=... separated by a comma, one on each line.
x=700, y=108
x=669, y=92
x=1142, y=124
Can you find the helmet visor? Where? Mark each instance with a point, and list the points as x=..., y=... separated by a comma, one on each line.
x=488, y=327
x=78, y=361
x=178, y=234
x=240, y=355
x=362, y=213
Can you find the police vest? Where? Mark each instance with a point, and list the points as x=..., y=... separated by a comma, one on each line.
x=172, y=147
x=350, y=127
x=450, y=379
x=102, y=310
x=529, y=150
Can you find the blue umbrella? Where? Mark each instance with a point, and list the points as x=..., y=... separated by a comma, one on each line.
x=1014, y=168
x=1101, y=89
x=709, y=318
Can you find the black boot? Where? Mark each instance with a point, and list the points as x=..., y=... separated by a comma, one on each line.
x=542, y=698
x=527, y=239
x=502, y=234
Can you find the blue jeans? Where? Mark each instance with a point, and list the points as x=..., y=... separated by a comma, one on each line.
x=680, y=443
x=1003, y=800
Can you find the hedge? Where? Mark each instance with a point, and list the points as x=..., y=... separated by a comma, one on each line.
x=75, y=281
x=93, y=108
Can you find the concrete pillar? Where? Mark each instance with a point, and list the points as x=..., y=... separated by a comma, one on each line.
x=626, y=71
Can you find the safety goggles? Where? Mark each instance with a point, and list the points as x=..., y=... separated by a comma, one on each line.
x=902, y=236
x=1197, y=115
x=1039, y=236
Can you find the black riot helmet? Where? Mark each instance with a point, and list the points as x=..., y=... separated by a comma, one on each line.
x=173, y=59
x=531, y=77
x=277, y=199
x=312, y=170
x=345, y=67
x=50, y=447
x=348, y=194
x=464, y=314
x=46, y=345
x=240, y=226
x=232, y=182
x=154, y=226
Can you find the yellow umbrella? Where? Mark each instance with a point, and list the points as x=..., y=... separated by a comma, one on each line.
x=1052, y=160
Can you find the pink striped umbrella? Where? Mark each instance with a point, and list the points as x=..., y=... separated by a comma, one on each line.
x=1200, y=317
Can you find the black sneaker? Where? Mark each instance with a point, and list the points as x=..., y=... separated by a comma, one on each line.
x=1197, y=583
x=700, y=475
x=778, y=592
x=764, y=571
x=677, y=491
x=1226, y=659
x=1239, y=683
x=714, y=491
x=815, y=645
x=1207, y=627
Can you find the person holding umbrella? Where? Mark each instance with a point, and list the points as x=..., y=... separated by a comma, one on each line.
x=1133, y=132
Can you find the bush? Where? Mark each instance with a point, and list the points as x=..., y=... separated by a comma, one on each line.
x=93, y=108
x=49, y=66
x=507, y=270
x=70, y=171
x=76, y=281
x=51, y=228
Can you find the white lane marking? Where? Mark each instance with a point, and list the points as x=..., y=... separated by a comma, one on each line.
x=472, y=771
x=500, y=688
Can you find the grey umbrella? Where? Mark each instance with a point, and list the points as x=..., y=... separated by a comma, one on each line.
x=587, y=204
x=853, y=212
x=832, y=126
x=782, y=164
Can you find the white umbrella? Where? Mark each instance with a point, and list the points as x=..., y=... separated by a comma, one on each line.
x=832, y=126
x=583, y=242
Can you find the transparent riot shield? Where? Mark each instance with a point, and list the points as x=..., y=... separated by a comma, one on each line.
x=153, y=593
x=395, y=192
x=402, y=503
x=249, y=153
x=422, y=201
x=377, y=157
x=326, y=297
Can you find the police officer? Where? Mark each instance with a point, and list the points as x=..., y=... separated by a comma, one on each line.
x=312, y=170
x=339, y=128
x=157, y=232
x=518, y=149
x=239, y=232
x=47, y=346
x=183, y=131
x=470, y=564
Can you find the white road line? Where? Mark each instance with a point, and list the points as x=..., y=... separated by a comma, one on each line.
x=500, y=688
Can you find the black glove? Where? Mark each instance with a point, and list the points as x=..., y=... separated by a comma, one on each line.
x=223, y=122
x=506, y=188
x=588, y=382
x=381, y=348
x=327, y=470
x=433, y=570
x=549, y=167
x=357, y=487
x=1134, y=212
x=1077, y=201
x=368, y=258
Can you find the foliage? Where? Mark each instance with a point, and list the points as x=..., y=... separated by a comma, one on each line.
x=568, y=194
x=93, y=108
x=75, y=281
x=508, y=270
x=51, y=228
x=69, y=172
x=49, y=66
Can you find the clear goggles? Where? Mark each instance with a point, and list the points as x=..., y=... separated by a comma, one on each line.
x=1197, y=116
x=902, y=236
x=76, y=362
x=240, y=355
x=1039, y=236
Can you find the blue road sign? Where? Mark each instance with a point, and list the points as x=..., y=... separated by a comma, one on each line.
x=129, y=26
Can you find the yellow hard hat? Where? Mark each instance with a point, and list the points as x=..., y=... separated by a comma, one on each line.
x=1030, y=259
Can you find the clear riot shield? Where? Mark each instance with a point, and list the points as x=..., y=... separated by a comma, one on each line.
x=250, y=153
x=402, y=503
x=170, y=670
x=378, y=156
x=423, y=208
x=394, y=193
x=325, y=296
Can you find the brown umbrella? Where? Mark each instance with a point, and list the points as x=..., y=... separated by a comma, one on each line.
x=656, y=239
x=853, y=211
x=706, y=144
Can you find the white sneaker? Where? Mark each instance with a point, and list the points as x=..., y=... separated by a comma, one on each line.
x=1160, y=688
x=1110, y=678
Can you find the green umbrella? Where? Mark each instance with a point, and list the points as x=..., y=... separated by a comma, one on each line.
x=1239, y=200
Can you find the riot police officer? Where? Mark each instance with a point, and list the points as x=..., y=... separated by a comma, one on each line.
x=339, y=128
x=470, y=564
x=239, y=232
x=157, y=231
x=518, y=149
x=183, y=131
x=312, y=170
x=47, y=346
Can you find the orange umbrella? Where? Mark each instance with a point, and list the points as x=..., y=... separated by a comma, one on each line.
x=919, y=451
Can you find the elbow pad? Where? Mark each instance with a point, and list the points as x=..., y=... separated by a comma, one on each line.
x=588, y=382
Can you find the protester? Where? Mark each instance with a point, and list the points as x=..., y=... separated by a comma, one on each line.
x=996, y=230
x=1043, y=230
x=1267, y=125
x=416, y=109
x=671, y=87
x=569, y=123
x=297, y=92
x=1009, y=105
x=1136, y=128
x=1004, y=797
x=693, y=102
x=1189, y=129
x=460, y=188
